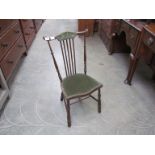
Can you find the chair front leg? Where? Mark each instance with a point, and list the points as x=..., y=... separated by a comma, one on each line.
x=68, y=113
x=62, y=96
x=99, y=100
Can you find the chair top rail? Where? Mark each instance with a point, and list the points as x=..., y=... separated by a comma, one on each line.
x=48, y=38
x=82, y=32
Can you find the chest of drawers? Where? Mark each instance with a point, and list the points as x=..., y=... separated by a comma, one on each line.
x=29, y=31
x=8, y=38
x=12, y=46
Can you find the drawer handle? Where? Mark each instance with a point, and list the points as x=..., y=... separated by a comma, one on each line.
x=150, y=41
x=27, y=34
x=20, y=46
x=16, y=31
x=9, y=61
x=4, y=45
x=0, y=28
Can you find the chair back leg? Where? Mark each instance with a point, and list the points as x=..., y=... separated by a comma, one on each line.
x=99, y=100
x=61, y=97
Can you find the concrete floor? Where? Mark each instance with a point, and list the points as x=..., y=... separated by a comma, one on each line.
x=35, y=107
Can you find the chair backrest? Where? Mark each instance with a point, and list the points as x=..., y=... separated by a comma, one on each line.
x=66, y=40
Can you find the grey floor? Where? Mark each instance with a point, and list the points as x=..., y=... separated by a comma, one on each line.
x=35, y=108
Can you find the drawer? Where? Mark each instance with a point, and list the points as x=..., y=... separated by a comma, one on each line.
x=149, y=40
x=10, y=60
x=9, y=39
x=27, y=23
x=5, y=24
x=29, y=34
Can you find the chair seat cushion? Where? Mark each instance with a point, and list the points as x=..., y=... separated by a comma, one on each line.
x=79, y=85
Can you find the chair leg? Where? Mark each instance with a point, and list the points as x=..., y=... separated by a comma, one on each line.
x=68, y=114
x=99, y=100
x=62, y=96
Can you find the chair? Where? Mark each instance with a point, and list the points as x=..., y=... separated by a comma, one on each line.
x=74, y=85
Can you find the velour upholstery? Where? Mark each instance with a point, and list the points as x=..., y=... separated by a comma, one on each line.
x=78, y=85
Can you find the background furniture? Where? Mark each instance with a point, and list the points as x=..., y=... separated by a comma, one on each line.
x=16, y=36
x=106, y=28
x=12, y=46
x=126, y=39
x=28, y=29
x=4, y=91
x=86, y=24
x=74, y=85
x=131, y=30
x=128, y=34
x=145, y=51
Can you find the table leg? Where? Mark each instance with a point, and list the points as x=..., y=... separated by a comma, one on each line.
x=132, y=68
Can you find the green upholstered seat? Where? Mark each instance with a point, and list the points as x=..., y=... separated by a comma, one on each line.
x=78, y=85
x=65, y=35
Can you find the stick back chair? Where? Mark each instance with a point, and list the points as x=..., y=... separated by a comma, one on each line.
x=74, y=85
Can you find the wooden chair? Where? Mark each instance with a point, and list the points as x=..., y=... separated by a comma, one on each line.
x=74, y=85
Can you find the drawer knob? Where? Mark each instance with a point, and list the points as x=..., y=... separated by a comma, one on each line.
x=150, y=41
x=4, y=45
x=16, y=31
x=9, y=61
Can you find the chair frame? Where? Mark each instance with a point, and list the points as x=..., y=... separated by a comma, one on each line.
x=68, y=72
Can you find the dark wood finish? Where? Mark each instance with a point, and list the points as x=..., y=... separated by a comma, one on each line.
x=11, y=59
x=8, y=39
x=86, y=24
x=129, y=31
x=106, y=29
x=126, y=39
x=145, y=50
x=12, y=46
x=16, y=36
x=5, y=25
x=68, y=54
x=28, y=29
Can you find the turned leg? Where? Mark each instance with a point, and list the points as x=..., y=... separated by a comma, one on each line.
x=132, y=67
x=99, y=100
x=68, y=113
x=62, y=96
